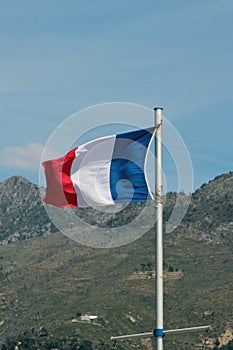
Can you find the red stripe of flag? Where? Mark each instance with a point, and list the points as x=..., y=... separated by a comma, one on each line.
x=60, y=190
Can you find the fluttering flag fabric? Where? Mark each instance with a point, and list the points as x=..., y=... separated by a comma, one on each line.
x=108, y=170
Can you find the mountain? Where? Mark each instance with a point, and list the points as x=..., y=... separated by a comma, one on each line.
x=48, y=281
x=22, y=214
x=209, y=215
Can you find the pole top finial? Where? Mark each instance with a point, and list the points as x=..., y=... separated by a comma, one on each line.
x=158, y=108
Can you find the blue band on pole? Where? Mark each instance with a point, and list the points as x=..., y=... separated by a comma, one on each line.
x=159, y=332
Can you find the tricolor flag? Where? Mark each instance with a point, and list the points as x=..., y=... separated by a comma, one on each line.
x=108, y=170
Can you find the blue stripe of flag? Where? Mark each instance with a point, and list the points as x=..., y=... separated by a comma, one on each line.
x=127, y=179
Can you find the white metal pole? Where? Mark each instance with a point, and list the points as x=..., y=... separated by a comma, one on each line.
x=169, y=331
x=159, y=331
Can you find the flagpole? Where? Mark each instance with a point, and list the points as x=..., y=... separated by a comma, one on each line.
x=159, y=330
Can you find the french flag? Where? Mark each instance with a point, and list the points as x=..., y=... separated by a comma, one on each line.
x=105, y=171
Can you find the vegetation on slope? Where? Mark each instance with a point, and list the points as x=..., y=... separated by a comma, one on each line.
x=48, y=281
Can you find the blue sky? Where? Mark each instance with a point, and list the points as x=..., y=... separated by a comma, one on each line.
x=58, y=57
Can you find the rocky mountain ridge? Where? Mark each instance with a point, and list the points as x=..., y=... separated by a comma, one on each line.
x=209, y=216
x=22, y=214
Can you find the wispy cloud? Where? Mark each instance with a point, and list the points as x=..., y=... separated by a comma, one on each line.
x=25, y=157
x=213, y=159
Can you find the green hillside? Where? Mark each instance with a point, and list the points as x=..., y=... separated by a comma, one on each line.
x=48, y=281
